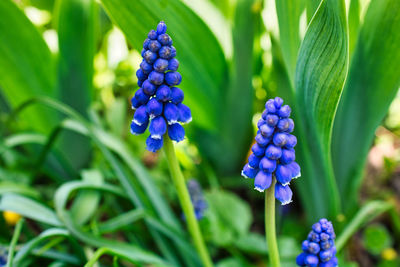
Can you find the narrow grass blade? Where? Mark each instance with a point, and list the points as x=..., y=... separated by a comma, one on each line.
x=29, y=208
x=367, y=213
x=48, y=234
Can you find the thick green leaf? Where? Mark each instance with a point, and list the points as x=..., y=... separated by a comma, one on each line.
x=26, y=65
x=354, y=24
x=376, y=238
x=224, y=226
x=18, y=188
x=374, y=78
x=312, y=6
x=87, y=203
x=234, y=139
x=252, y=243
x=320, y=74
x=76, y=40
x=202, y=62
x=288, y=12
x=29, y=208
x=228, y=147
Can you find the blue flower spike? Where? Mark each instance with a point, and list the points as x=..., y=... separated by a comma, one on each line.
x=197, y=198
x=273, y=155
x=319, y=248
x=158, y=102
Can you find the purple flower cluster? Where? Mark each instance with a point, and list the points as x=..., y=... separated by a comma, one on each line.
x=319, y=248
x=158, y=102
x=273, y=153
x=197, y=198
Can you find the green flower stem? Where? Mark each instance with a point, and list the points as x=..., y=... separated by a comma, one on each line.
x=270, y=228
x=186, y=203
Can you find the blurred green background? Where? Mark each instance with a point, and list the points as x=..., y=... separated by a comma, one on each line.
x=69, y=165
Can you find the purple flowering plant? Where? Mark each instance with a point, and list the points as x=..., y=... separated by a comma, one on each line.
x=158, y=102
x=329, y=68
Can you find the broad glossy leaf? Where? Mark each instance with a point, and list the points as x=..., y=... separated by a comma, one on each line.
x=312, y=6
x=320, y=74
x=76, y=40
x=228, y=148
x=87, y=203
x=202, y=62
x=289, y=12
x=224, y=225
x=374, y=78
x=29, y=208
x=354, y=24
x=18, y=188
x=75, y=21
x=26, y=65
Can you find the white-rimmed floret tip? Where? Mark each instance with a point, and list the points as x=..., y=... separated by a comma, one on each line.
x=158, y=102
x=273, y=154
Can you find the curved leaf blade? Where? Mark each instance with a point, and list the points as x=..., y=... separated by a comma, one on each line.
x=26, y=65
x=289, y=12
x=320, y=74
x=373, y=81
x=76, y=40
x=29, y=208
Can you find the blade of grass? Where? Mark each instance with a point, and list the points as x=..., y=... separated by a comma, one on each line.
x=135, y=194
x=51, y=233
x=29, y=208
x=134, y=253
x=13, y=244
x=367, y=213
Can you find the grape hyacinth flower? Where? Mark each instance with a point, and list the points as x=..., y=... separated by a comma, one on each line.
x=158, y=102
x=319, y=248
x=3, y=256
x=273, y=154
x=158, y=106
x=197, y=198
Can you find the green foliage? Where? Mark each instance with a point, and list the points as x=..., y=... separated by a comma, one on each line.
x=224, y=228
x=376, y=239
x=373, y=81
x=89, y=193
x=29, y=208
x=320, y=74
x=205, y=60
x=75, y=23
x=27, y=68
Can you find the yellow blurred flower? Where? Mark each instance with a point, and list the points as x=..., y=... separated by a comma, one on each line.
x=11, y=217
x=389, y=254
